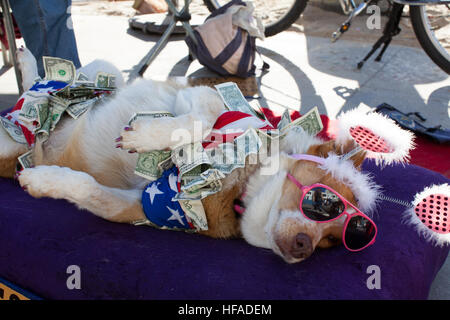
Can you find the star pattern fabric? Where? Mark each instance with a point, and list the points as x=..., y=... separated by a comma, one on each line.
x=158, y=205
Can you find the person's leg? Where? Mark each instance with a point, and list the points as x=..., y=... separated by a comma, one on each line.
x=28, y=19
x=47, y=29
x=60, y=33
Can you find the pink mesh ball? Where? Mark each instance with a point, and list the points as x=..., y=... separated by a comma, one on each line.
x=433, y=211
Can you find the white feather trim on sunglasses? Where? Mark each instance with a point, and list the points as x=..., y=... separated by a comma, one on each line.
x=422, y=224
x=362, y=185
x=399, y=141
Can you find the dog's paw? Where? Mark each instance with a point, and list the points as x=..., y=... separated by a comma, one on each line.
x=143, y=136
x=35, y=182
x=28, y=67
x=55, y=182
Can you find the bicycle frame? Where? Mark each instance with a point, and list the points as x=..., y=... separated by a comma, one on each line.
x=352, y=10
x=421, y=2
x=346, y=4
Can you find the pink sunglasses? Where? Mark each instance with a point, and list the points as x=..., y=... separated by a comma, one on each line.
x=321, y=203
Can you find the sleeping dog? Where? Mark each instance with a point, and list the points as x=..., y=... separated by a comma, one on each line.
x=79, y=163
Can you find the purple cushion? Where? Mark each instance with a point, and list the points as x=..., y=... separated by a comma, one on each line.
x=40, y=238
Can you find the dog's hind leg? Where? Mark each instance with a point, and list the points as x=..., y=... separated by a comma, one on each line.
x=9, y=151
x=28, y=67
x=112, y=204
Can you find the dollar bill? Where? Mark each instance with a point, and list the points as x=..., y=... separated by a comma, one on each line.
x=189, y=157
x=201, y=194
x=26, y=160
x=35, y=109
x=59, y=69
x=82, y=77
x=202, y=176
x=196, y=213
x=234, y=99
x=57, y=108
x=83, y=80
x=165, y=164
x=148, y=164
x=285, y=120
x=204, y=180
x=85, y=84
x=28, y=112
x=149, y=115
x=43, y=132
x=230, y=156
x=310, y=122
x=77, y=109
x=105, y=80
x=14, y=131
x=80, y=99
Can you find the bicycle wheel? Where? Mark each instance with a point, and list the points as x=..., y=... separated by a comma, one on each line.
x=431, y=24
x=276, y=15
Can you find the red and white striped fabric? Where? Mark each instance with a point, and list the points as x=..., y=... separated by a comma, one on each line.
x=230, y=125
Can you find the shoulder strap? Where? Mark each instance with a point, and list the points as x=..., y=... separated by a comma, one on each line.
x=230, y=49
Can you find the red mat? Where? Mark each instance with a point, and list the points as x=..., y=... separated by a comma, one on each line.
x=427, y=153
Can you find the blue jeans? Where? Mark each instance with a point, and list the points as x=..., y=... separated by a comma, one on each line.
x=47, y=29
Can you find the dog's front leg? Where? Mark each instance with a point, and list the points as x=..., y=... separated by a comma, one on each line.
x=164, y=133
x=82, y=189
x=196, y=111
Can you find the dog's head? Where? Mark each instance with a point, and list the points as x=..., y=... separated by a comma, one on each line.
x=273, y=219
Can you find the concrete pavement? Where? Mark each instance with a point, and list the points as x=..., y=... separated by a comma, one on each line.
x=305, y=72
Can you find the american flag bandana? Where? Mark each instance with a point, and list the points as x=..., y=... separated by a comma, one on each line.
x=42, y=88
x=159, y=208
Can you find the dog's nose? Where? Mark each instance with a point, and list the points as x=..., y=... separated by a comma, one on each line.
x=302, y=246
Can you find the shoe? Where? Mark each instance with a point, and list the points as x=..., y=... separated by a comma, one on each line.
x=150, y=6
x=437, y=134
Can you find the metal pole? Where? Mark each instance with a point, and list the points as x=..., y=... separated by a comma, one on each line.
x=156, y=49
x=9, y=27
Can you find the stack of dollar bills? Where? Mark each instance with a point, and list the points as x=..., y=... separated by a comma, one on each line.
x=201, y=170
x=61, y=92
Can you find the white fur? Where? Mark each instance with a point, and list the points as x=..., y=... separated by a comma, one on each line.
x=261, y=213
x=27, y=63
x=91, y=70
x=410, y=217
x=361, y=184
x=79, y=188
x=401, y=141
x=297, y=141
x=9, y=147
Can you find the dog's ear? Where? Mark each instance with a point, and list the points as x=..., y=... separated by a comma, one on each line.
x=324, y=149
